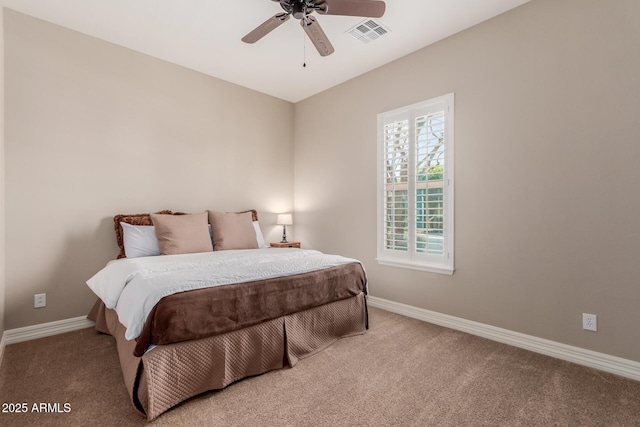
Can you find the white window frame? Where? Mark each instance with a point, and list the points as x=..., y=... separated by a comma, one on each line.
x=411, y=258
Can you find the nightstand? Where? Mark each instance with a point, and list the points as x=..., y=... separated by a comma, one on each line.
x=285, y=245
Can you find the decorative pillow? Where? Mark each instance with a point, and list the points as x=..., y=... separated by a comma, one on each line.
x=145, y=219
x=233, y=230
x=182, y=234
x=133, y=219
x=139, y=240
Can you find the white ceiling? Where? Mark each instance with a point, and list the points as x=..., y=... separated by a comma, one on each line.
x=204, y=35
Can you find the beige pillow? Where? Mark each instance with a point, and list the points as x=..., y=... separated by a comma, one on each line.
x=232, y=230
x=182, y=234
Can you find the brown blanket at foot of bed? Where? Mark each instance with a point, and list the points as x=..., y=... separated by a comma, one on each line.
x=212, y=311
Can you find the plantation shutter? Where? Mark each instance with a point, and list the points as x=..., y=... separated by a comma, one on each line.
x=396, y=197
x=430, y=166
x=415, y=198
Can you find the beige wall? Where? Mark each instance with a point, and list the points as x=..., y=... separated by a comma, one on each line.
x=547, y=104
x=93, y=129
x=547, y=101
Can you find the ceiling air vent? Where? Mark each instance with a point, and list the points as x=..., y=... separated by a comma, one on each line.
x=368, y=30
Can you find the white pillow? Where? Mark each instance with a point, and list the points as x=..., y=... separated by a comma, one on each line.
x=259, y=237
x=139, y=240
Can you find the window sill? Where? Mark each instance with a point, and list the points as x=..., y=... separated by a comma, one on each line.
x=417, y=266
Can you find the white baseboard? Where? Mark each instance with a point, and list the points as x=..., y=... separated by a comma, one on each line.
x=42, y=330
x=604, y=362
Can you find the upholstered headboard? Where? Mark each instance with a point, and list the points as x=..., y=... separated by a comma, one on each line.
x=145, y=219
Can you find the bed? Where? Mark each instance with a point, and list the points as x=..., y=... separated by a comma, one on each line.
x=190, y=322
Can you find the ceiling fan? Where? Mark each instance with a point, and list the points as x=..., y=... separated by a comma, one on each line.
x=302, y=10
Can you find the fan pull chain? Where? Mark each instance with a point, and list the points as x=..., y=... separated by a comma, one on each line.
x=304, y=51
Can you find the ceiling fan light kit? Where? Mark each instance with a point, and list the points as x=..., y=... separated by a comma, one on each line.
x=302, y=9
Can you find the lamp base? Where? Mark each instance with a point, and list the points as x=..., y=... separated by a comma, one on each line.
x=284, y=234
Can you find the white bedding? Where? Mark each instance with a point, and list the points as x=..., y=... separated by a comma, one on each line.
x=133, y=286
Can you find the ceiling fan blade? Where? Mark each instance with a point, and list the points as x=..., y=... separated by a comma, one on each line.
x=364, y=8
x=317, y=36
x=266, y=27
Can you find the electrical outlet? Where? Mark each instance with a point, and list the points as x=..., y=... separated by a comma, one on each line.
x=589, y=322
x=39, y=300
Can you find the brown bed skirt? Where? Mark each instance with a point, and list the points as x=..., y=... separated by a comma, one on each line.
x=169, y=374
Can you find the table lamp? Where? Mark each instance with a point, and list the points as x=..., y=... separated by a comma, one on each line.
x=284, y=220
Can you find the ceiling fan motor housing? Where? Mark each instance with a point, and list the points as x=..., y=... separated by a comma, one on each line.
x=298, y=8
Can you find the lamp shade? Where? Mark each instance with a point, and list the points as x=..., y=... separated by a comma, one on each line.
x=284, y=219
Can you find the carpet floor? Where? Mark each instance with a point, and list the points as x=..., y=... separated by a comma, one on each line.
x=403, y=372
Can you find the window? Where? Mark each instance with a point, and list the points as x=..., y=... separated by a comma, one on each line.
x=415, y=186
